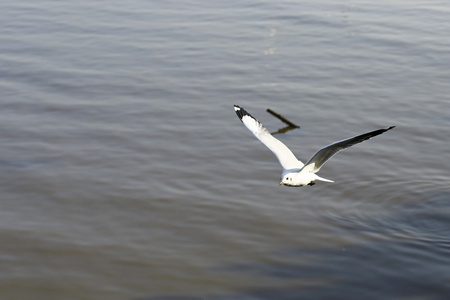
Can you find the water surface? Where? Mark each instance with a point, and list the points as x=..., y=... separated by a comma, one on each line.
x=125, y=173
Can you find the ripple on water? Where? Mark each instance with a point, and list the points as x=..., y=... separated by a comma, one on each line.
x=420, y=213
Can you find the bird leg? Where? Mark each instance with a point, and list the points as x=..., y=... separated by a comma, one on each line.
x=311, y=183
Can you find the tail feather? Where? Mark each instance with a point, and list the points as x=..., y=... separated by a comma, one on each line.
x=323, y=179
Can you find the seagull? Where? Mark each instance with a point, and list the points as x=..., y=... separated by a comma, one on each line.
x=295, y=173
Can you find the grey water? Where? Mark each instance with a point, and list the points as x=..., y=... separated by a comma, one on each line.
x=125, y=173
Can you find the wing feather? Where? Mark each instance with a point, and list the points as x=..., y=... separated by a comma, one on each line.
x=285, y=156
x=324, y=154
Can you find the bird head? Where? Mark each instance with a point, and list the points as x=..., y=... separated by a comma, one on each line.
x=291, y=179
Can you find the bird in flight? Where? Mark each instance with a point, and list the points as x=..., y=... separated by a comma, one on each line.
x=295, y=173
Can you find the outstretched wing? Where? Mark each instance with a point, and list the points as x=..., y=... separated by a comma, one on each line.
x=285, y=156
x=316, y=162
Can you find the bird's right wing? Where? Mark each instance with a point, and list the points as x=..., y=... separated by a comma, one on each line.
x=285, y=156
x=316, y=162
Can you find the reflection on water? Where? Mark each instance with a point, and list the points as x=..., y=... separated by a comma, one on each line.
x=284, y=130
x=291, y=125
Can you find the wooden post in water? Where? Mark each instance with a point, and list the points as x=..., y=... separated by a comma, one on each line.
x=282, y=118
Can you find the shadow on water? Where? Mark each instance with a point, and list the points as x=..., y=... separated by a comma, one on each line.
x=407, y=259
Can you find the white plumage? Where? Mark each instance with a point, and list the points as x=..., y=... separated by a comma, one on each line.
x=295, y=173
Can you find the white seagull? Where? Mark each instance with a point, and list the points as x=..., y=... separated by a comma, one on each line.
x=295, y=173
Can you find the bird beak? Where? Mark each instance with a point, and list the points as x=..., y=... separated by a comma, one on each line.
x=281, y=183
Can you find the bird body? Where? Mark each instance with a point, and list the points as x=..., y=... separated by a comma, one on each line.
x=295, y=173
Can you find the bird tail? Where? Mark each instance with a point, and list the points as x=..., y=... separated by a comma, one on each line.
x=323, y=179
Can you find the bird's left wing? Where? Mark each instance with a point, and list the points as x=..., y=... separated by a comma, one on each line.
x=285, y=156
x=316, y=162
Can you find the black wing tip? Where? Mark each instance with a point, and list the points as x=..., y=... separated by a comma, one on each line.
x=238, y=108
x=372, y=134
x=241, y=112
x=383, y=130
